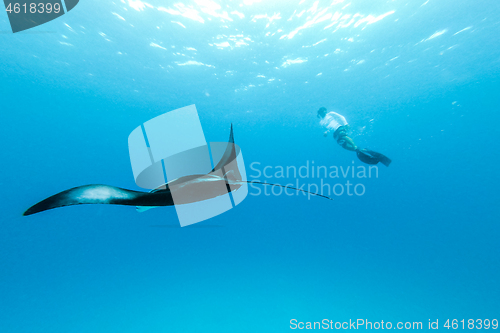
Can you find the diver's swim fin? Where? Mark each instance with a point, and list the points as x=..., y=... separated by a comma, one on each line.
x=372, y=157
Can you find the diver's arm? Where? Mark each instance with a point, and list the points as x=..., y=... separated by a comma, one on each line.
x=328, y=130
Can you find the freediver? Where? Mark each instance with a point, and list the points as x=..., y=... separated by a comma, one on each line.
x=336, y=123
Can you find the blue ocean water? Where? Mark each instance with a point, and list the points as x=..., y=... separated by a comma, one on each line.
x=416, y=80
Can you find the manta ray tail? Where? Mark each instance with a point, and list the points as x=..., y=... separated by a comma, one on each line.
x=100, y=194
x=290, y=187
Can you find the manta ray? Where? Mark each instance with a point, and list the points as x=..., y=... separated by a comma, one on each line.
x=186, y=189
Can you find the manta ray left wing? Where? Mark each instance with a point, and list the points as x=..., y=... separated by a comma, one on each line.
x=101, y=194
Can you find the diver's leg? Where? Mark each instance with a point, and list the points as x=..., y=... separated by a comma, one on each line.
x=348, y=144
x=343, y=140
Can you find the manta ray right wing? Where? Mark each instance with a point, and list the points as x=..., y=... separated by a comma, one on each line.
x=229, y=154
